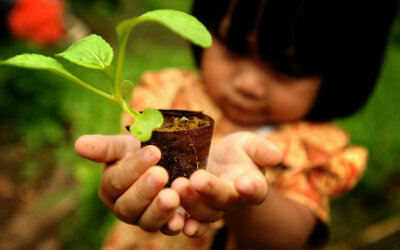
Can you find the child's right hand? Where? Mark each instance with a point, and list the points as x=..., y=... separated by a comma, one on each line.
x=234, y=178
x=132, y=186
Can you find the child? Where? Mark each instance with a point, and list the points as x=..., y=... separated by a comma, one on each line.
x=272, y=65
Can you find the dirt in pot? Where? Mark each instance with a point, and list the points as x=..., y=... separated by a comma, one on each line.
x=173, y=123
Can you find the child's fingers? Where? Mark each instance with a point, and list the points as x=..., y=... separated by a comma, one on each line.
x=192, y=203
x=215, y=192
x=101, y=148
x=131, y=204
x=161, y=209
x=194, y=228
x=263, y=152
x=252, y=187
x=117, y=178
x=174, y=224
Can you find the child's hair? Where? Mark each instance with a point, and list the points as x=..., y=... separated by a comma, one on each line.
x=343, y=42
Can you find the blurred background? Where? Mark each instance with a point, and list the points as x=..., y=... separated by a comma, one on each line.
x=48, y=194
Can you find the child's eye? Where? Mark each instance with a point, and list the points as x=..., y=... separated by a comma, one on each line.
x=287, y=74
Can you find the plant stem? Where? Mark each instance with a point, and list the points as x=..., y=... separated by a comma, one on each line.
x=109, y=72
x=120, y=65
x=123, y=40
x=128, y=109
x=90, y=87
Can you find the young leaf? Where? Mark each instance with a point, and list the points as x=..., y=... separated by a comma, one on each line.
x=145, y=123
x=179, y=22
x=39, y=62
x=126, y=87
x=91, y=52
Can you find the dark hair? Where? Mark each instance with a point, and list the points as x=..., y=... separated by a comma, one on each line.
x=5, y=8
x=341, y=41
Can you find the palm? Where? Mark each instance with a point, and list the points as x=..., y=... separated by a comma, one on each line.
x=229, y=158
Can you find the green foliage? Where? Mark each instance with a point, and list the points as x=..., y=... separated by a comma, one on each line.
x=40, y=62
x=149, y=118
x=183, y=5
x=106, y=7
x=179, y=22
x=90, y=52
x=95, y=53
x=87, y=228
x=30, y=103
x=35, y=61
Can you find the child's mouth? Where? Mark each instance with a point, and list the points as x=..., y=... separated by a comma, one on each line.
x=243, y=114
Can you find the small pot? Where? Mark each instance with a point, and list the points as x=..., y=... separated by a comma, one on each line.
x=183, y=151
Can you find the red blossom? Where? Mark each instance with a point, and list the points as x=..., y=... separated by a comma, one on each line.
x=41, y=21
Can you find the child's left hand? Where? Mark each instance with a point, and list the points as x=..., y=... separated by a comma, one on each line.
x=234, y=176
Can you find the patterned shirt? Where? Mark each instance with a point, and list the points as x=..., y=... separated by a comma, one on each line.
x=318, y=162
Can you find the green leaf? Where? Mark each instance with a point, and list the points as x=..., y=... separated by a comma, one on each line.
x=39, y=62
x=179, y=22
x=91, y=52
x=145, y=123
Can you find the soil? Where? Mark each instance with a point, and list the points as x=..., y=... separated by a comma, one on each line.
x=175, y=123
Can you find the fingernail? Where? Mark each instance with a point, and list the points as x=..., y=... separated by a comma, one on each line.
x=164, y=206
x=148, y=155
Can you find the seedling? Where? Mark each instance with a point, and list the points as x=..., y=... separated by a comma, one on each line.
x=95, y=53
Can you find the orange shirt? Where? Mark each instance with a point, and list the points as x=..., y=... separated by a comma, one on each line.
x=318, y=162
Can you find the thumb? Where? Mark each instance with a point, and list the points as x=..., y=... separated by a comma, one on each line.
x=101, y=148
x=262, y=151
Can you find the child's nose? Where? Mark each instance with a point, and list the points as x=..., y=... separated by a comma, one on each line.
x=249, y=83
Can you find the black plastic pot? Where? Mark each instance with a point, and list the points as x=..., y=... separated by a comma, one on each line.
x=183, y=151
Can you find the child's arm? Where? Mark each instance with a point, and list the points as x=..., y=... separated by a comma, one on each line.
x=132, y=187
x=261, y=218
x=277, y=223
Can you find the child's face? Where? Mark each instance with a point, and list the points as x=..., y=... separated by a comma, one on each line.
x=250, y=92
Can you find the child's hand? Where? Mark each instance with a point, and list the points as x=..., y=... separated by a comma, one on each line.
x=233, y=175
x=132, y=187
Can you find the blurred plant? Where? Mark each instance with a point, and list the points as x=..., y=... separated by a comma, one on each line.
x=395, y=37
x=31, y=98
x=182, y=5
x=100, y=6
